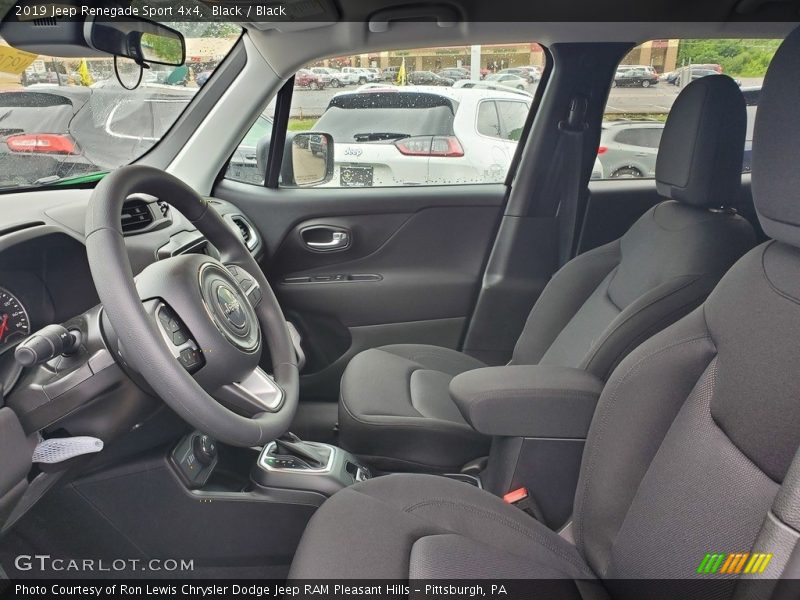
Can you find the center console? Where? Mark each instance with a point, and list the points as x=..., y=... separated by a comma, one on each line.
x=538, y=417
x=297, y=465
x=288, y=463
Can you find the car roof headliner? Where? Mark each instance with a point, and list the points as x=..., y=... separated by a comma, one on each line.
x=286, y=46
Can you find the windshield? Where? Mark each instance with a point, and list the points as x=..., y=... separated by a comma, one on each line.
x=66, y=118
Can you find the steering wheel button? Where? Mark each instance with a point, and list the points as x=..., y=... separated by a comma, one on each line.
x=254, y=295
x=190, y=358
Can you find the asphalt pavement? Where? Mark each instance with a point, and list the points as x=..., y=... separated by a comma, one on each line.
x=655, y=99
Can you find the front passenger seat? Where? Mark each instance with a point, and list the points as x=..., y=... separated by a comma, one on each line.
x=693, y=448
x=395, y=409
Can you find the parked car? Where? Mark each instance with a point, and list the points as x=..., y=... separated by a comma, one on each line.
x=334, y=77
x=243, y=165
x=697, y=73
x=427, y=78
x=52, y=133
x=636, y=77
x=307, y=79
x=528, y=73
x=508, y=79
x=201, y=78
x=490, y=85
x=456, y=74
x=381, y=135
x=629, y=148
x=362, y=75
x=534, y=72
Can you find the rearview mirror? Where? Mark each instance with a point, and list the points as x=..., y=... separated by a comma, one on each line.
x=140, y=40
x=312, y=158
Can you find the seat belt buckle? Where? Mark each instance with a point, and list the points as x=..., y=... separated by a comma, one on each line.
x=523, y=501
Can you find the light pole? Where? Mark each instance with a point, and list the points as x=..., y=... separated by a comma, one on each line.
x=475, y=62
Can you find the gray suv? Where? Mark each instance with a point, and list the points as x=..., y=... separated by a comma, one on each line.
x=629, y=148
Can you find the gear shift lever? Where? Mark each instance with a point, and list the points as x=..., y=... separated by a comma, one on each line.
x=289, y=445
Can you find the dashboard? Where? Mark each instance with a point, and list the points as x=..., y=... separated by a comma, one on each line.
x=45, y=279
x=44, y=272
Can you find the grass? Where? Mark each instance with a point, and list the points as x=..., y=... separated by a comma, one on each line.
x=301, y=124
x=635, y=116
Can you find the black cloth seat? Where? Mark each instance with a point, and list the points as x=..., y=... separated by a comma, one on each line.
x=693, y=447
x=395, y=409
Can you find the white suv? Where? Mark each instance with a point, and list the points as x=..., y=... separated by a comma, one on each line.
x=362, y=75
x=421, y=135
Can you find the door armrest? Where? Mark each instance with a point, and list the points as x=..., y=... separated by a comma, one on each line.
x=527, y=401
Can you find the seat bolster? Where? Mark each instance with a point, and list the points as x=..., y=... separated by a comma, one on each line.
x=385, y=521
x=647, y=315
x=561, y=299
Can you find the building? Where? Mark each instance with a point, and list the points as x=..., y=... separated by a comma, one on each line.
x=662, y=55
x=493, y=56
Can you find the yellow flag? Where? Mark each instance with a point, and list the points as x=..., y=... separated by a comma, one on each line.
x=401, y=73
x=15, y=61
x=83, y=71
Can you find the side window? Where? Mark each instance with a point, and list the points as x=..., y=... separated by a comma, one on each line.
x=245, y=165
x=403, y=117
x=651, y=137
x=648, y=80
x=631, y=137
x=512, y=118
x=488, y=122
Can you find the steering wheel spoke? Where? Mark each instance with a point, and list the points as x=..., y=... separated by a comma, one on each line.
x=256, y=393
x=177, y=337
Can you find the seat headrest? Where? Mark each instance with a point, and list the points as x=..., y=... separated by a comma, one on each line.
x=700, y=156
x=776, y=142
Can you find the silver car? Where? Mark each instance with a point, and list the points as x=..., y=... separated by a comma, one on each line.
x=629, y=148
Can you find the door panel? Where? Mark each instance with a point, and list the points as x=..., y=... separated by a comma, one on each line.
x=426, y=269
x=409, y=272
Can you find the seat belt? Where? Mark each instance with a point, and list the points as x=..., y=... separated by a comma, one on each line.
x=570, y=150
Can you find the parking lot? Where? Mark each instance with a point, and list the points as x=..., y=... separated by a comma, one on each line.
x=657, y=99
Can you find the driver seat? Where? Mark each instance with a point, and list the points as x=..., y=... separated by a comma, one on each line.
x=692, y=449
x=395, y=409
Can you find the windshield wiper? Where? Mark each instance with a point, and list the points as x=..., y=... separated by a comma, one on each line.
x=72, y=179
x=374, y=137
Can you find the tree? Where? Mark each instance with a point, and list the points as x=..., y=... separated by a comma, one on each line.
x=742, y=57
x=206, y=29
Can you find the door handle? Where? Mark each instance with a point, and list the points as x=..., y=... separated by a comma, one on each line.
x=325, y=239
x=338, y=239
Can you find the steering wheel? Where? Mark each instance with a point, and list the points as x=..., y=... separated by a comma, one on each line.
x=191, y=325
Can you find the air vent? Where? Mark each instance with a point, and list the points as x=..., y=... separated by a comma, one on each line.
x=136, y=216
x=247, y=231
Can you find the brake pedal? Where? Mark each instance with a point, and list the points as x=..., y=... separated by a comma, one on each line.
x=56, y=450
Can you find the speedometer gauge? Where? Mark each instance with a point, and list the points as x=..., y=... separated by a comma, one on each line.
x=14, y=323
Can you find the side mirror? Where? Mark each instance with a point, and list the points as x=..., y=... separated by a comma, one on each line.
x=312, y=158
